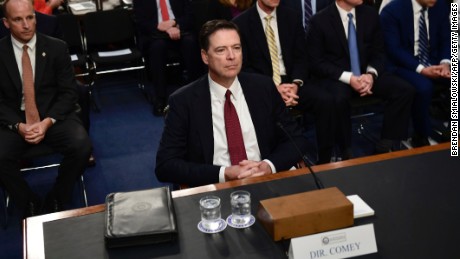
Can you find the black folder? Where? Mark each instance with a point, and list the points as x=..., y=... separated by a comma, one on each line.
x=140, y=218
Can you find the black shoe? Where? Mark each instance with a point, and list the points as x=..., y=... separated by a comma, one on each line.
x=419, y=141
x=34, y=207
x=53, y=204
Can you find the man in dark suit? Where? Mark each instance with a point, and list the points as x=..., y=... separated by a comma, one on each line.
x=400, y=21
x=158, y=34
x=290, y=48
x=193, y=148
x=55, y=122
x=330, y=63
x=49, y=25
x=299, y=5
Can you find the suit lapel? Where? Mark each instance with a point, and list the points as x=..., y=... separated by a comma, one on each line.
x=9, y=58
x=252, y=96
x=257, y=31
x=40, y=60
x=409, y=21
x=203, y=117
x=283, y=33
x=338, y=28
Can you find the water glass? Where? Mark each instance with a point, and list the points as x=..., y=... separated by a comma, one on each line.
x=241, y=207
x=210, y=212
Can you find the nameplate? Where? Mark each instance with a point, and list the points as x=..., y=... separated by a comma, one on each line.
x=343, y=243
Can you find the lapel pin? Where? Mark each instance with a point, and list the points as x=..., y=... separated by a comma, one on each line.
x=44, y=54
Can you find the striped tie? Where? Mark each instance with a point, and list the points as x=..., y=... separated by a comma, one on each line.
x=31, y=110
x=273, y=50
x=423, y=43
x=308, y=12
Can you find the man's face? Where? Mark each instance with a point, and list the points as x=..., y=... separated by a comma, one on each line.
x=268, y=5
x=20, y=19
x=349, y=4
x=427, y=3
x=224, y=56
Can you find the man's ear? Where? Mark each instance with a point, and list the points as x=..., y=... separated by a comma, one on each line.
x=5, y=22
x=204, y=56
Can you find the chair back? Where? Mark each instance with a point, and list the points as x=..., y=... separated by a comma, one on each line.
x=71, y=32
x=109, y=30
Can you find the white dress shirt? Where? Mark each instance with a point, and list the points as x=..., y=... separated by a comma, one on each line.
x=221, y=156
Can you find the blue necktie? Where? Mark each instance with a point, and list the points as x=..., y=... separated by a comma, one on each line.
x=308, y=12
x=423, y=43
x=353, y=47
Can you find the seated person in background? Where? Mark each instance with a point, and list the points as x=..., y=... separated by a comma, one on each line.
x=422, y=59
x=225, y=125
x=48, y=25
x=38, y=97
x=164, y=27
x=47, y=7
x=226, y=9
x=358, y=74
x=307, y=7
x=285, y=62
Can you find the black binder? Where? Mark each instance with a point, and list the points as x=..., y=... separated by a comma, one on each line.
x=140, y=218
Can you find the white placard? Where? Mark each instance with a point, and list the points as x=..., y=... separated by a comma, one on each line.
x=360, y=208
x=342, y=243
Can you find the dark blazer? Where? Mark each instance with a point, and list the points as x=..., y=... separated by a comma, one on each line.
x=146, y=16
x=327, y=45
x=256, y=55
x=55, y=87
x=398, y=20
x=186, y=148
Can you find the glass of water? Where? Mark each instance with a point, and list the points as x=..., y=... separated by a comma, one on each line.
x=241, y=207
x=210, y=212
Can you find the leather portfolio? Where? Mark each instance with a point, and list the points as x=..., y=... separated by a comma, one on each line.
x=140, y=218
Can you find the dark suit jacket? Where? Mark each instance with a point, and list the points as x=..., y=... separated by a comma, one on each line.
x=398, y=27
x=256, y=55
x=55, y=87
x=145, y=13
x=327, y=45
x=186, y=151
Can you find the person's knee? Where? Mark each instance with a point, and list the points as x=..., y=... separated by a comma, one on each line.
x=424, y=87
x=80, y=144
